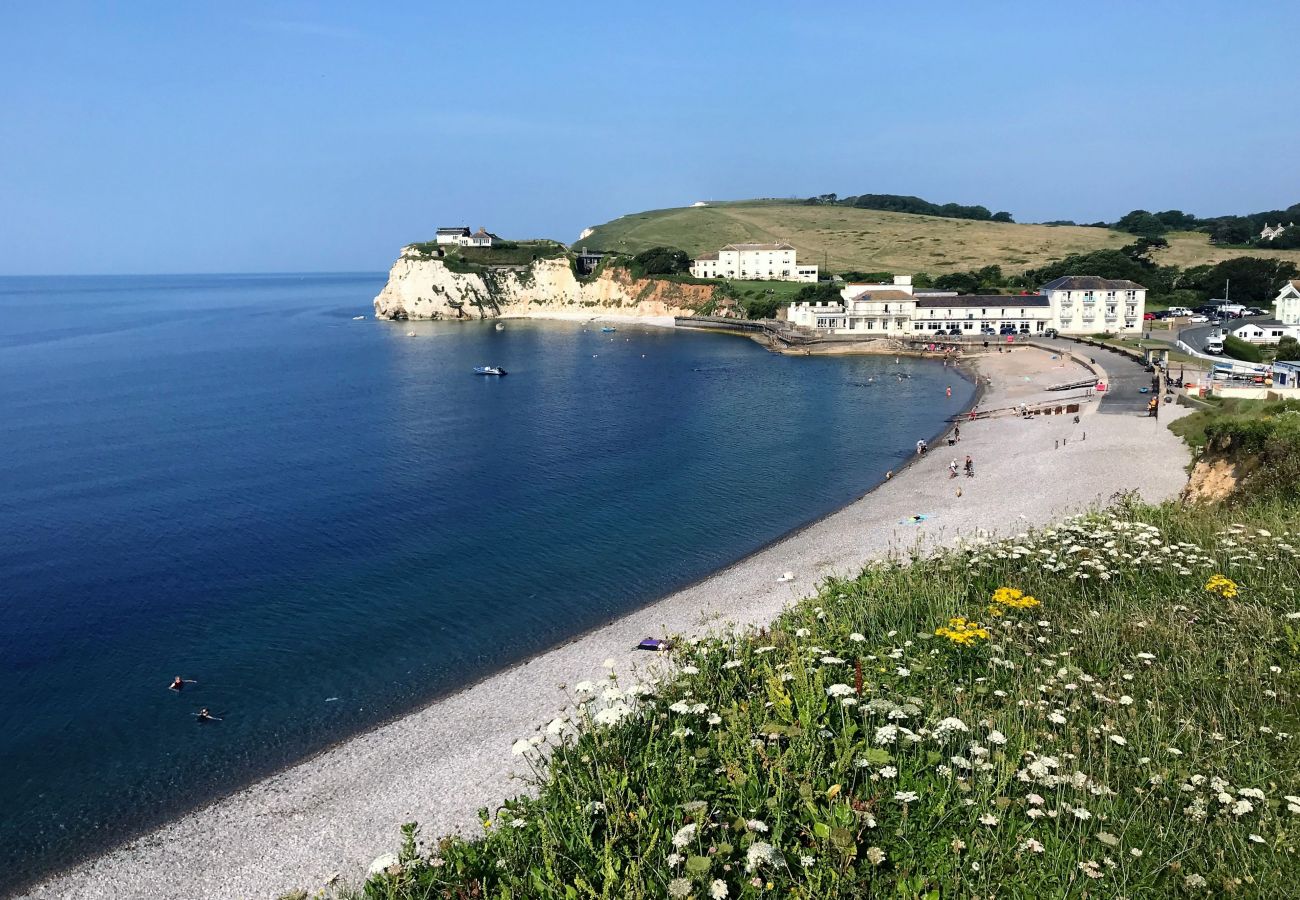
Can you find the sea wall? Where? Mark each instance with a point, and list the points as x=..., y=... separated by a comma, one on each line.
x=420, y=288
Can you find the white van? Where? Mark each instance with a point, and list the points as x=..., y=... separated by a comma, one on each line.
x=1231, y=309
x=1179, y=311
x=1214, y=344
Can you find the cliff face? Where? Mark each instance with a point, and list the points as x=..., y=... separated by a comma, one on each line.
x=426, y=289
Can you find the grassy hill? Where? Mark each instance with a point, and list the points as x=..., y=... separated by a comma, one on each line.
x=845, y=239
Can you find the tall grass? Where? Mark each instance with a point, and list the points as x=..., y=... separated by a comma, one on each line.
x=1106, y=708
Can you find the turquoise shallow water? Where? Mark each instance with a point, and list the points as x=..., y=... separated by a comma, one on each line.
x=326, y=522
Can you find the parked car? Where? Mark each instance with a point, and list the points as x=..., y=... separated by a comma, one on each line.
x=988, y=329
x=1199, y=318
x=1256, y=311
x=1051, y=333
x=1150, y=317
x=1007, y=329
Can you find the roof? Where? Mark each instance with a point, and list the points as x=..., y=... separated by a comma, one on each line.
x=482, y=233
x=1264, y=323
x=1091, y=283
x=779, y=245
x=887, y=294
x=462, y=229
x=1002, y=301
x=707, y=256
x=1295, y=283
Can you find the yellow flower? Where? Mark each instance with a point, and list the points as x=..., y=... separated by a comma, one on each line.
x=1014, y=598
x=1222, y=585
x=962, y=631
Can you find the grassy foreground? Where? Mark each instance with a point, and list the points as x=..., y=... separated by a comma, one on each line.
x=1106, y=708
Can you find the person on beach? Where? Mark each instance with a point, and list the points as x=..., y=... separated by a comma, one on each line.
x=952, y=469
x=956, y=432
x=970, y=467
x=920, y=448
x=178, y=683
x=204, y=716
x=950, y=390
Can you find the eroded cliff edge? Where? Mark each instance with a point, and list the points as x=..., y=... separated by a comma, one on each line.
x=423, y=288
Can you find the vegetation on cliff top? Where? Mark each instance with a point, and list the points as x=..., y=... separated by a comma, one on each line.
x=1103, y=708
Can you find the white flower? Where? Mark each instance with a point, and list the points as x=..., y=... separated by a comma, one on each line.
x=856, y=638
x=1253, y=793
x=888, y=772
x=690, y=670
x=758, y=853
x=902, y=672
x=1035, y=799
x=613, y=714
x=1257, y=839
x=1241, y=807
x=839, y=690
x=886, y=734
x=1056, y=718
x=1194, y=881
x=714, y=719
x=1135, y=852
x=948, y=726
x=802, y=632
x=831, y=661
x=1118, y=739
x=556, y=726
x=906, y=796
x=518, y=823
x=684, y=835
x=679, y=887
x=609, y=663
x=875, y=855
x=996, y=737
x=1082, y=814
x=988, y=819
x=756, y=825
x=718, y=890
x=520, y=747
x=584, y=687
x=732, y=664
x=1031, y=845
x=806, y=861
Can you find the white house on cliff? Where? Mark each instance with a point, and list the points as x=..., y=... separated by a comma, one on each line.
x=462, y=237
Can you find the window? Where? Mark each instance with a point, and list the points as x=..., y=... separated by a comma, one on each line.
x=1130, y=296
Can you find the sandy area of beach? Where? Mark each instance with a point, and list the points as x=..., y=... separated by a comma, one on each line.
x=338, y=811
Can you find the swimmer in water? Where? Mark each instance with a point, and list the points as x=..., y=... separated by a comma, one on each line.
x=178, y=683
x=204, y=716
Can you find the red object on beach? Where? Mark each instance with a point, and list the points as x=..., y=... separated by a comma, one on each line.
x=1101, y=385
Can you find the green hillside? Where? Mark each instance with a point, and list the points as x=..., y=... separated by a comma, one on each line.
x=844, y=238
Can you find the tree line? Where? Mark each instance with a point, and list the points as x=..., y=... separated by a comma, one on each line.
x=1238, y=230
x=908, y=204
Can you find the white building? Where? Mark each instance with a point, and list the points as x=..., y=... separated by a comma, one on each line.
x=753, y=262
x=1266, y=332
x=1074, y=305
x=1086, y=304
x=1287, y=304
x=1269, y=233
x=462, y=237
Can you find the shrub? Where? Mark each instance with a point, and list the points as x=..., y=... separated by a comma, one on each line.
x=1242, y=350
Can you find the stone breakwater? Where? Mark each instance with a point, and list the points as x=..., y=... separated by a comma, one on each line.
x=421, y=288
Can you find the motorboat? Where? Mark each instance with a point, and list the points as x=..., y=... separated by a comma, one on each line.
x=357, y=318
x=489, y=370
x=608, y=329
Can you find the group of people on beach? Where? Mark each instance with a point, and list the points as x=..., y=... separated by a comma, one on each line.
x=970, y=468
x=178, y=685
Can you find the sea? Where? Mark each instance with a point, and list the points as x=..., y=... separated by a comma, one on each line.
x=324, y=521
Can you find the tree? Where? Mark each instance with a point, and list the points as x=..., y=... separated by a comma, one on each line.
x=1002, y=216
x=1177, y=220
x=1139, y=221
x=1231, y=230
x=962, y=282
x=1102, y=263
x=1289, y=239
x=1253, y=278
x=660, y=261
x=1288, y=349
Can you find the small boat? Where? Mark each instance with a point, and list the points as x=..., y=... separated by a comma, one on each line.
x=501, y=326
x=410, y=334
x=357, y=318
x=608, y=329
x=489, y=370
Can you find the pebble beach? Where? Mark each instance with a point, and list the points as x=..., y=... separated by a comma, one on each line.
x=327, y=817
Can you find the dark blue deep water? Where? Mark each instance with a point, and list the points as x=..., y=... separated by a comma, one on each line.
x=227, y=478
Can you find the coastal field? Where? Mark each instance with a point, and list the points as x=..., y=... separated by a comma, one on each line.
x=843, y=238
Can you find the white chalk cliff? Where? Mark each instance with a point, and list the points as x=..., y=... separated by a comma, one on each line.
x=420, y=288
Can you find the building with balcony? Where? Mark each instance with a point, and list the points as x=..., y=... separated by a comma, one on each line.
x=1287, y=304
x=1084, y=304
x=753, y=262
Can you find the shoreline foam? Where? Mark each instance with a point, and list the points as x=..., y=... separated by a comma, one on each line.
x=336, y=811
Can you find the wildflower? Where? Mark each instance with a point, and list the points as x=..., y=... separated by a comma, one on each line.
x=802, y=632
x=902, y=672
x=759, y=853
x=1135, y=853
x=732, y=664
x=612, y=715
x=996, y=737
x=1257, y=839
x=957, y=845
x=690, y=670
x=1035, y=799
x=756, y=825
x=594, y=806
x=584, y=687
x=1082, y=814
x=906, y=796
x=856, y=638
x=1221, y=585
x=1253, y=793
x=1293, y=804
x=1108, y=839
x=679, y=887
x=1091, y=869
x=1126, y=700
x=1194, y=881
x=608, y=663
x=718, y=889
x=684, y=835
x=518, y=823
x=839, y=690
x=888, y=772
x=949, y=725
x=806, y=861
x=988, y=819
x=1241, y=807
x=962, y=632
x=1118, y=739
x=1031, y=845
x=1056, y=718
x=556, y=726
x=875, y=855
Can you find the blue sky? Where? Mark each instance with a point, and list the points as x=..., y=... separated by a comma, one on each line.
x=284, y=136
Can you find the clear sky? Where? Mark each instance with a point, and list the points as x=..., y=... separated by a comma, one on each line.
x=285, y=136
